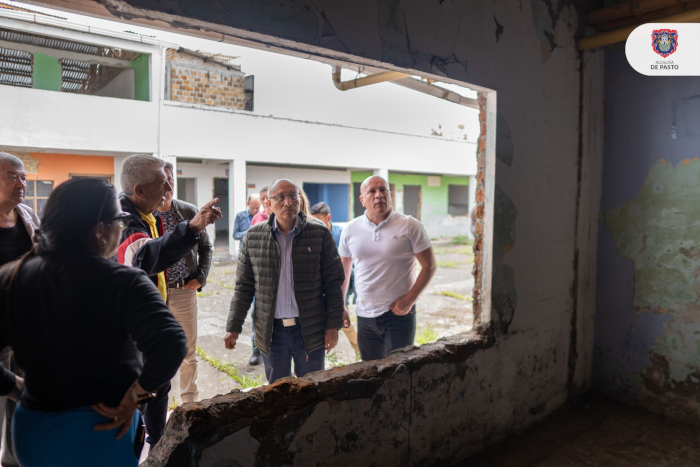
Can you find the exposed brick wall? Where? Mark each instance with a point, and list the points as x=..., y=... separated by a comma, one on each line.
x=194, y=81
x=479, y=229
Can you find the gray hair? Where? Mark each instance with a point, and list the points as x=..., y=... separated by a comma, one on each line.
x=253, y=196
x=264, y=189
x=139, y=169
x=320, y=208
x=7, y=158
x=170, y=167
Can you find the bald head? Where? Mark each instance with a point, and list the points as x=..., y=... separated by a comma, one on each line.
x=376, y=198
x=282, y=183
x=285, y=203
x=373, y=178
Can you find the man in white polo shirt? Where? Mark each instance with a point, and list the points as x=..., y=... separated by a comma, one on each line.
x=385, y=246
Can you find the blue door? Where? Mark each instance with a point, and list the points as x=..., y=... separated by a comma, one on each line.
x=335, y=195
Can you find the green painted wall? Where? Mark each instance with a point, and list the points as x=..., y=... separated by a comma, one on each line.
x=141, y=65
x=46, y=73
x=434, y=199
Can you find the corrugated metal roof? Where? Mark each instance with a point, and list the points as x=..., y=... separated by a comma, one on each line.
x=76, y=75
x=49, y=42
x=15, y=67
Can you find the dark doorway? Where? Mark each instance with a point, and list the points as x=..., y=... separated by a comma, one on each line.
x=221, y=192
x=357, y=208
x=411, y=200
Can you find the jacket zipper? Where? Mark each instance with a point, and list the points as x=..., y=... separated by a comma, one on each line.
x=303, y=336
x=279, y=255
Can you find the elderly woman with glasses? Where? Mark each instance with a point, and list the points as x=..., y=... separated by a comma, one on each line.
x=76, y=321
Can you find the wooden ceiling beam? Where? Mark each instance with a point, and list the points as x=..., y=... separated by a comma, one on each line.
x=620, y=35
x=651, y=16
x=629, y=10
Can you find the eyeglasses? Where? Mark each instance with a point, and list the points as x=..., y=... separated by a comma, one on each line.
x=123, y=219
x=280, y=198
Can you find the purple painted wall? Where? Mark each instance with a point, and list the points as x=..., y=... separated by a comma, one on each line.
x=647, y=318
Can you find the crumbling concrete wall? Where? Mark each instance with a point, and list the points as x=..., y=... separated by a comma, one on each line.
x=647, y=349
x=362, y=414
x=442, y=402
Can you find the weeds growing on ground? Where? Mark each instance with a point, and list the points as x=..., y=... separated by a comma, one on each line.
x=334, y=360
x=230, y=369
x=203, y=294
x=248, y=382
x=223, y=272
x=172, y=404
x=459, y=296
x=426, y=335
x=221, y=283
x=463, y=250
x=446, y=264
x=462, y=240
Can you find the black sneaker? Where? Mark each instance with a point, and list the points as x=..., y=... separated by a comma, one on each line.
x=255, y=358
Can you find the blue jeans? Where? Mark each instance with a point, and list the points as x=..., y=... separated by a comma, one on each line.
x=68, y=437
x=377, y=337
x=287, y=345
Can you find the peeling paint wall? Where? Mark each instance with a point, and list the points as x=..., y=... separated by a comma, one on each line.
x=438, y=404
x=647, y=348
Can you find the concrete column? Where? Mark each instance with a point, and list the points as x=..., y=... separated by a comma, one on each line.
x=237, y=195
x=117, y=179
x=384, y=173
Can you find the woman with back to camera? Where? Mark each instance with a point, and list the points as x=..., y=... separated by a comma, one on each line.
x=74, y=319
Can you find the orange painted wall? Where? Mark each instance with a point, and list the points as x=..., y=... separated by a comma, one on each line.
x=59, y=167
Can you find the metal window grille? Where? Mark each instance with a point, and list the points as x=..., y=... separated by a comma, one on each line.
x=16, y=67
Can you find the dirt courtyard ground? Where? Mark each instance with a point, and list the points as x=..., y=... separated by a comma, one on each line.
x=444, y=309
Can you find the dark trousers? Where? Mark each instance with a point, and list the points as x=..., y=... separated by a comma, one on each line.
x=377, y=337
x=155, y=413
x=287, y=345
x=7, y=358
x=351, y=288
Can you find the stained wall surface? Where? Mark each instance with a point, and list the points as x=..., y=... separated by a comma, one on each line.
x=459, y=395
x=647, y=350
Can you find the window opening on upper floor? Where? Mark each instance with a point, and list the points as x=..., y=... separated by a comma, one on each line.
x=48, y=63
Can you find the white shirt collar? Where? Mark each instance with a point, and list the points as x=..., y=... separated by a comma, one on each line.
x=372, y=225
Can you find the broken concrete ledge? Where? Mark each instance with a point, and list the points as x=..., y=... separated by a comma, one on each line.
x=360, y=414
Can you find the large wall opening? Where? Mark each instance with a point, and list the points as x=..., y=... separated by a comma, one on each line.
x=451, y=202
x=42, y=62
x=431, y=191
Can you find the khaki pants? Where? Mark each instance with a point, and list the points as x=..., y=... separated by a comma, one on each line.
x=183, y=306
x=351, y=334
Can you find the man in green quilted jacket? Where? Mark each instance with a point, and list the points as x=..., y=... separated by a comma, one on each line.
x=293, y=270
